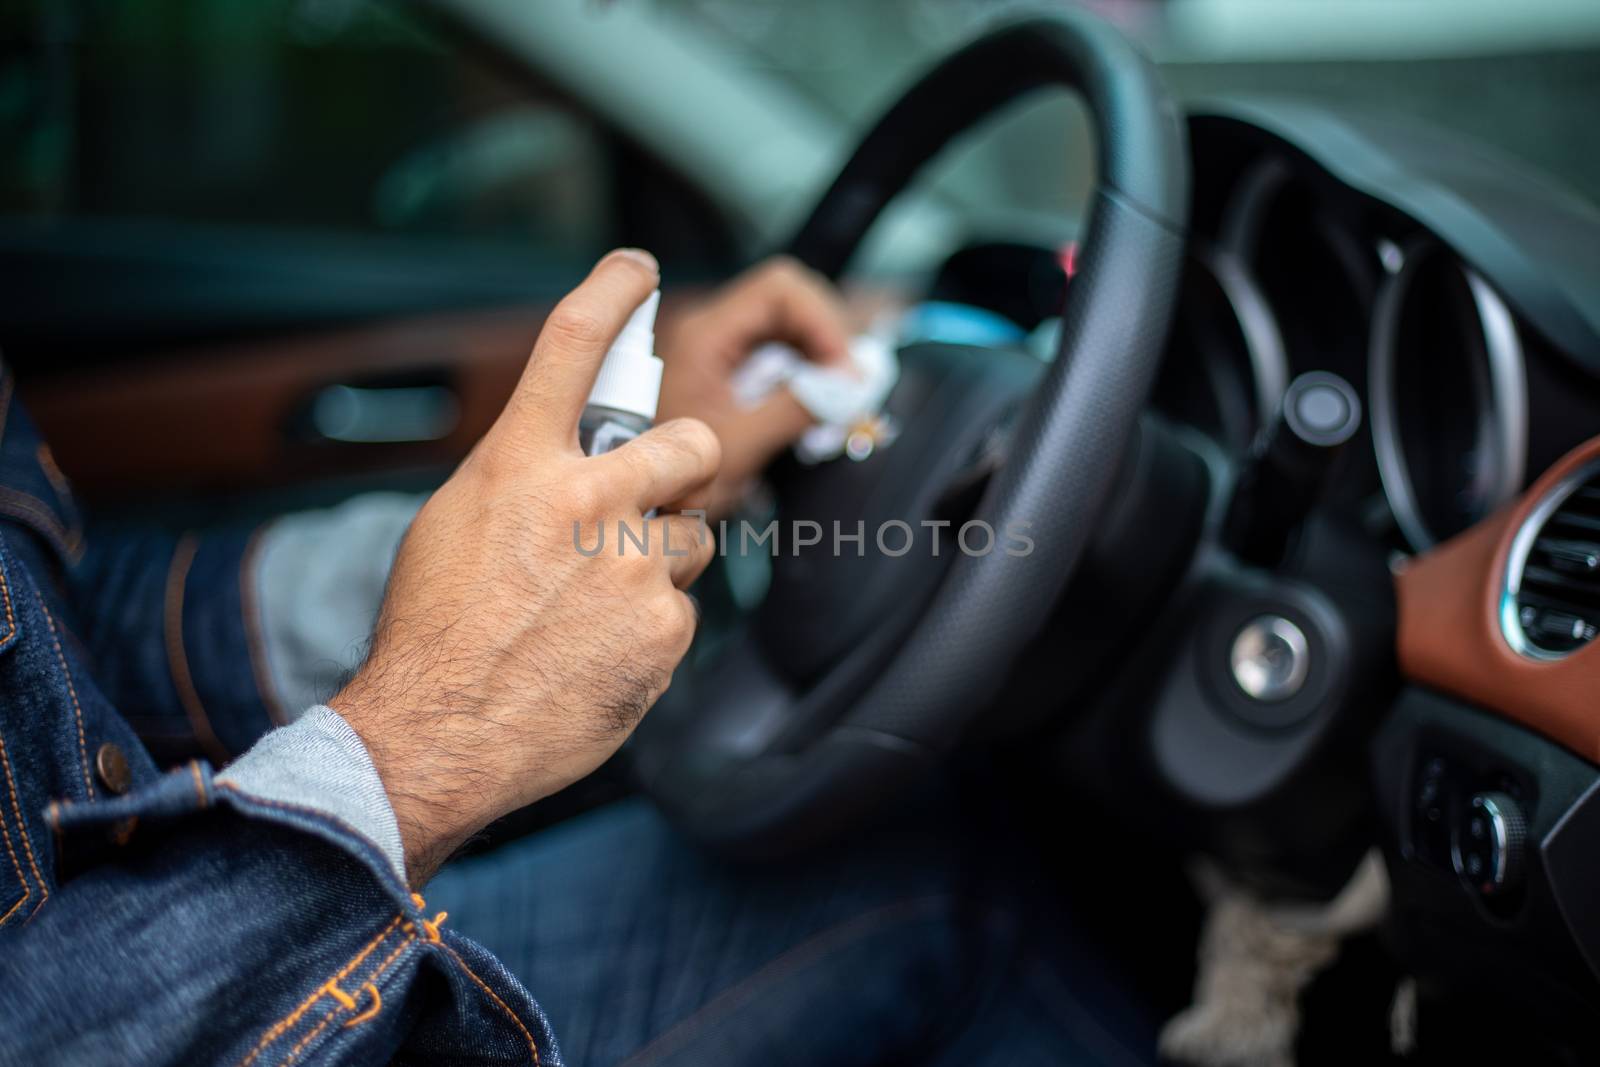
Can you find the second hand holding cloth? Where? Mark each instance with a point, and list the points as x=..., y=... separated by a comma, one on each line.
x=846, y=400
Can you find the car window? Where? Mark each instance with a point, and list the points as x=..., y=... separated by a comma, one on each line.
x=334, y=115
x=1528, y=69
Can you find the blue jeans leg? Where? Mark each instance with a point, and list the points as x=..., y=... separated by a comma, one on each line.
x=894, y=949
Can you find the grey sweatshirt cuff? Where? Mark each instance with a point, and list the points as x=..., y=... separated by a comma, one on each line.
x=318, y=578
x=320, y=762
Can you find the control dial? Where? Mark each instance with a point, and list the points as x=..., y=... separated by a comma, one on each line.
x=1490, y=844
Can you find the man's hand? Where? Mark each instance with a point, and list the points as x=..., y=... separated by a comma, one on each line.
x=506, y=663
x=780, y=300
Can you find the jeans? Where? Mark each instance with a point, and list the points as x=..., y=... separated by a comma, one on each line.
x=927, y=942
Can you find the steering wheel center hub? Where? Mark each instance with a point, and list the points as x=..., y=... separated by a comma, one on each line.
x=858, y=546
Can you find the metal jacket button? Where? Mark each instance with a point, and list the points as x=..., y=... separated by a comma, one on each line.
x=112, y=766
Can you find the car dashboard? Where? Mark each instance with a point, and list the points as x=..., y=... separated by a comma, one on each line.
x=1448, y=574
x=1459, y=295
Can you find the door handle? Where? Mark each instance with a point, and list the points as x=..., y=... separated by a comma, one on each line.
x=397, y=414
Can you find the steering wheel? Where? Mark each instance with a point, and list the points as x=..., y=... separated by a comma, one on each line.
x=861, y=668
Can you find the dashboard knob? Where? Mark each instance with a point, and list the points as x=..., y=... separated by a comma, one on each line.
x=1270, y=658
x=1490, y=844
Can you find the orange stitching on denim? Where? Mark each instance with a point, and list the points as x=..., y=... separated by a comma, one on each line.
x=22, y=879
x=122, y=833
x=333, y=990
x=199, y=783
x=72, y=691
x=372, y=1012
x=22, y=825
x=26, y=893
x=11, y=618
x=332, y=1015
x=277, y=1029
x=431, y=926
x=252, y=635
x=300, y=1045
x=532, y=1046
x=177, y=661
x=391, y=957
x=293, y=1017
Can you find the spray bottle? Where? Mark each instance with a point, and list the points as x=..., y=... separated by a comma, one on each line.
x=622, y=404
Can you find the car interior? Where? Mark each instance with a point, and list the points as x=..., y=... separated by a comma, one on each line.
x=1301, y=406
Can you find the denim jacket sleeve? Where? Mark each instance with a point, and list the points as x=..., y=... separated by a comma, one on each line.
x=172, y=619
x=171, y=625
x=196, y=923
x=167, y=620
x=198, y=920
x=150, y=918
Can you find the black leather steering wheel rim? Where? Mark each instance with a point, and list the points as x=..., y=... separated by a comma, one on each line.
x=1064, y=455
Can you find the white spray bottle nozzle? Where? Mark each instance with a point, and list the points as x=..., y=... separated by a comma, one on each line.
x=630, y=376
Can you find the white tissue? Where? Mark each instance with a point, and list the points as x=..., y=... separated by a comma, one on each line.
x=840, y=398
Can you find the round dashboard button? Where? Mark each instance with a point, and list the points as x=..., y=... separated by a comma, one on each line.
x=1270, y=658
x=1322, y=409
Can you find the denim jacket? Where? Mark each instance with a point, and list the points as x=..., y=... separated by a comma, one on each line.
x=151, y=911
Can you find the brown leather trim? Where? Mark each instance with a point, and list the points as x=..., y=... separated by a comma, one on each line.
x=219, y=418
x=1449, y=631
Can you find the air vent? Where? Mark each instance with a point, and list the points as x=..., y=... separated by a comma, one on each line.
x=1551, y=604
